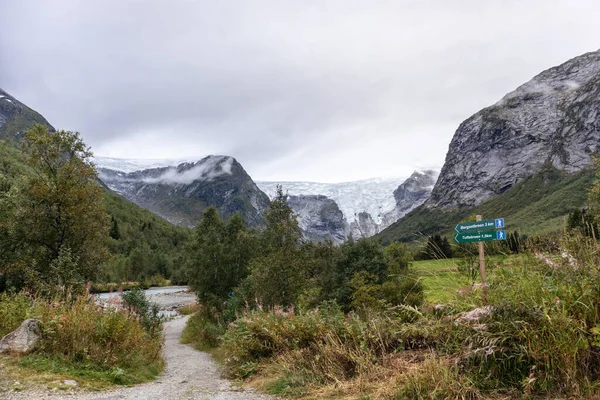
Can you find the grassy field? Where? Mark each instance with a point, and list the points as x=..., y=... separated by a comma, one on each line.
x=442, y=278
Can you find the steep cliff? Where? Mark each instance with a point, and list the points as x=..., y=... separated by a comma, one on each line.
x=553, y=118
x=319, y=217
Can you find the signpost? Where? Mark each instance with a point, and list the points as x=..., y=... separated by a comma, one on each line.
x=480, y=231
x=479, y=236
x=497, y=223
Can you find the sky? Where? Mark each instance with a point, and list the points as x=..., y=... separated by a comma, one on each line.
x=324, y=91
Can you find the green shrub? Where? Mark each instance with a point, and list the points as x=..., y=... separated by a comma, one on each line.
x=324, y=336
x=202, y=332
x=14, y=309
x=147, y=312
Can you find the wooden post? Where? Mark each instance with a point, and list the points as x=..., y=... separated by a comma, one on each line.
x=482, y=267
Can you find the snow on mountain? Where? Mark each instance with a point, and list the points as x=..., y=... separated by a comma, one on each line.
x=375, y=196
x=133, y=165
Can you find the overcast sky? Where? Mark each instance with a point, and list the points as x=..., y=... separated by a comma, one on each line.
x=318, y=90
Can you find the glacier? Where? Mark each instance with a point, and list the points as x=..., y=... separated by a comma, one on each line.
x=374, y=196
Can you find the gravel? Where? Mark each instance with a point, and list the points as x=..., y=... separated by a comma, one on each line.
x=189, y=374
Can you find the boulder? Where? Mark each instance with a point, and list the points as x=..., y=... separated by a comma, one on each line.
x=22, y=340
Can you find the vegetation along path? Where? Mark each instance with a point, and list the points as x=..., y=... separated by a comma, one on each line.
x=189, y=374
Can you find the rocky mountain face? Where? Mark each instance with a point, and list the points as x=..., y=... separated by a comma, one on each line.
x=410, y=194
x=319, y=217
x=360, y=208
x=554, y=118
x=181, y=193
x=16, y=117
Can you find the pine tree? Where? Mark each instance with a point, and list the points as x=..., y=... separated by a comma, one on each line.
x=114, y=231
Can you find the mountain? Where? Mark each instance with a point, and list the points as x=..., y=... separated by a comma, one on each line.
x=552, y=118
x=360, y=208
x=514, y=158
x=181, y=193
x=410, y=194
x=319, y=217
x=16, y=117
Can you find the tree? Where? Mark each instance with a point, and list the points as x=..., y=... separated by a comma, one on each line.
x=436, y=248
x=114, y=231
x=60, y=212
x=278, y=274
x=364, y=256
x=218, y=257
x=206, y=262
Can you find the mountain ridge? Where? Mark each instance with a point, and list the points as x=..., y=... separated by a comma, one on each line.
x=552, y=117
x=16, y=117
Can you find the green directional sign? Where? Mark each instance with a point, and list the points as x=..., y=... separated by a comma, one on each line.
x=477, y=226
x=480, y=236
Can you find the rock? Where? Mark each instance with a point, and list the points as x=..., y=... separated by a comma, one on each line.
x=474, y=315
x=319, y=218
x=553, y=119
x=22, y=340
x=410, y=194
x=70, y=382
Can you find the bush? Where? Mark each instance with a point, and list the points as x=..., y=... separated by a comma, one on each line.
x=78, y=332
x=147, y=312
x=14, y=309
x=354, y=341
x=202, y=332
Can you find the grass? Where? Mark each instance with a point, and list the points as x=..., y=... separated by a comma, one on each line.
x=189, y=309
x=82, y=341
x=442, y=278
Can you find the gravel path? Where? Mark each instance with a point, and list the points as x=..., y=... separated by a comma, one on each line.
x=189, y=374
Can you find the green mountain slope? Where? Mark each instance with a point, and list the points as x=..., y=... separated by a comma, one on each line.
x=16, y=117
x=535, y=205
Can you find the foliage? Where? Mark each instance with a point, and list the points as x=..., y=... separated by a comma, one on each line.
x=147, y=246
x=202, y=332
x=277, y=275
x=218, y=257
x=436, y=248
x=81, y=334
x=147, y=312
x=14, y=309
x=131, y=227
x=53, y=212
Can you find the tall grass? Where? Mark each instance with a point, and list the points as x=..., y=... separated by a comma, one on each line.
x=79, y=332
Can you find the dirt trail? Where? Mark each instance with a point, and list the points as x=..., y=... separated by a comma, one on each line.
x=189, y=374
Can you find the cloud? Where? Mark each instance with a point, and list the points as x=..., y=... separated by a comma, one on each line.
x=322, y=91
x=206, y=169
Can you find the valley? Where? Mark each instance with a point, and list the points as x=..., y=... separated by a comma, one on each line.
x=218, y=284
